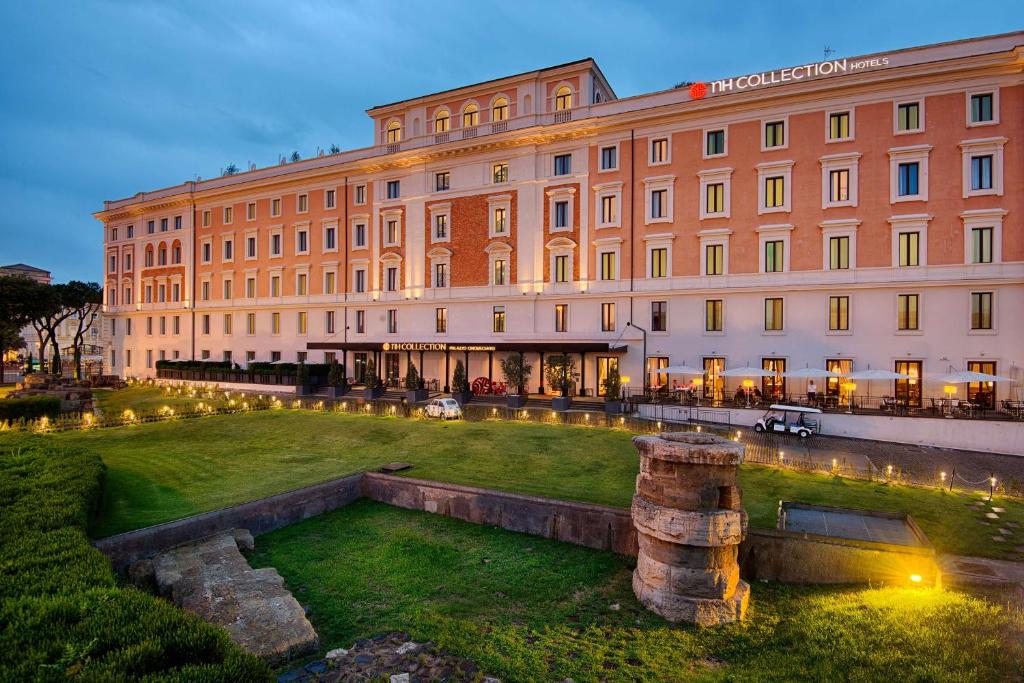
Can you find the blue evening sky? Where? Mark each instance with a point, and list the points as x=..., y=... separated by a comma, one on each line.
x=99, y=100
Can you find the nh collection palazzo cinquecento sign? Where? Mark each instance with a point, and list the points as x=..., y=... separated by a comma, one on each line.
x=434, y=346
x=832, y=67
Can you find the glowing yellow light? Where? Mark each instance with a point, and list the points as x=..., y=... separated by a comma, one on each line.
x=942, y=476
x=748, y=383
x=916, y=578
x=586, y=416
x=494, y=411
x=624, y=379
x=834, y=463
x=698, y=428
x=949, y=390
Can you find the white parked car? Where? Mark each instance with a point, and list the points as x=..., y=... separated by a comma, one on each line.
x=444, y=408
x=789, y=420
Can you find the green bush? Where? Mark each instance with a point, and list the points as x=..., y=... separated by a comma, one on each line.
x=29, y=407
x=62, y=612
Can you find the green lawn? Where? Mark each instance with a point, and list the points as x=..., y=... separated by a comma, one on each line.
x=143, y=399
x=164, y=471
x=525, y=608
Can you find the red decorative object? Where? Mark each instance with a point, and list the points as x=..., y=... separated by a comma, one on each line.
x=482, y=386
x=698, y=90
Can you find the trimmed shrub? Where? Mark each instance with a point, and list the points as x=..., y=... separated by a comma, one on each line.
x=63, y=614
x=29, y=408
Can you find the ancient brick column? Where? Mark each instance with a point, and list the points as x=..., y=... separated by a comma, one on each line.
x=689, y=524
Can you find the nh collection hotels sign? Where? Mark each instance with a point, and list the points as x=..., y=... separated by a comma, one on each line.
x=435, y=346
x=832, y=67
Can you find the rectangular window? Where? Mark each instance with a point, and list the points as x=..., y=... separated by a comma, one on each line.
x=360, y=193
x=659, y=262
x=910, y=249
x=839, y=125
x=131, y=234
x=330, y=282
x=275, y=245
x=392, y=321
x=774, y=192
x=360, y=322
x=981, y=245
x=500, y=270
x=561, y=268
x=229, y=253
x=981, y=310
x=713, y=315
x=608, y=213
x=250, y=323
x=907, y=312
x=775, y=134
x=205, y=291
x=301, y=322
x=329, y=322
x=440, y=274
x=301, y=284
x=207, y=252
x=659, y=203
x=714, y=143
x=839, y=252
x=149, y=325
x=608, y=317
x=163, y=224
x=498, y=319
x=609, y=158
x=391, y=282
x=441, y=226
x=981, y=108
x=302, y=242
x=561, y=317
x=275, y=285
x=151, y=225
x=981, y=172
x=500, y=173
x=441, y=320
x=250, y=247
x=908, y=178
x=608, y=265
x=563, y=164
x=303, y=203
x=714, y=259
x=838, y=313
x=715, y=198
x=227, y=289
x=250, y=211
x=275, y=207
x=500, y=215
x=227, y=323
x=659, y=151
x=330, y=239
x=659, y=316
x=250, y=287
x=562, y=214
x=394, y=189
x=391, y=232
x=773, y=315
x=839, y=185
x=275, y=323
x=442, y=181
x=774, y=256
x=330, y=199
x=360, y=284
x=908, y=116
x=360, y=236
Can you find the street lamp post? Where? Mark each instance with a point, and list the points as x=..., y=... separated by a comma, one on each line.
x=646, y=374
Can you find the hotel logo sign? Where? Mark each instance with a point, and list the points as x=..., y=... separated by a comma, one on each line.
x=434, y=346
x=832, y=67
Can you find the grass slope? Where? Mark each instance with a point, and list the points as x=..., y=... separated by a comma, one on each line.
x=525, y=609
x=164, y=471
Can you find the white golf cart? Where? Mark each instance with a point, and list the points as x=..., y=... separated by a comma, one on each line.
x=789, y=420
x=444, y=408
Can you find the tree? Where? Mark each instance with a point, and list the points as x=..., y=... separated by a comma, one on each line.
x=517, y=371
x=613, y=383
x=412, y=377
x=460, y=384
x=296, y=156
x=561, y=372
x=17, y=296
x=335, y=149
x=370, y=370
x=84, y=299
x=231, y=169
x=48, y=312
x=335, y=375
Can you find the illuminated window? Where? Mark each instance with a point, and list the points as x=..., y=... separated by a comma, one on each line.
x=838, y=313
x=561, y=268
x=563, y=98
x=981, y=310
x=775, y=134
x=907, y=311
x=839, y=185
x=839, y=125
x=394, y=132
x=839, y=252
x=774, y=261
x=275, y=323
x=773, y=315
x=499, y=110
x=470, y=116
x=659, y=262
x=500, y=271
x=275, y=207
x=774, y=192
x=608, y=265
x=441, y=226
x=714, y=259
x=498, y=319
x=909, y=249
x=561, y=317
x=659, y=316
x=715, y=197
x=301, y=322
x=608, y=317
x=440, y=274
x=441, y=320
x=500, y=173
x=981, y=245
x=442, y=122
x=713, y=315
x=908, y=117
x=250, y=323
x=302, y=203
x=500, y=215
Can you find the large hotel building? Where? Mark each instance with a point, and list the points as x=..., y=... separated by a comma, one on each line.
x=854, y=213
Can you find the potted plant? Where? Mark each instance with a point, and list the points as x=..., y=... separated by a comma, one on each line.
x=336, y=384
x=302, y=380
x=561, y=372
x=460, y=384
x=613, y=403
x=414, y=391
x=517, y=374
x=374, y=387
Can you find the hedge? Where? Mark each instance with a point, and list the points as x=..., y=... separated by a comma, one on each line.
x=29, y=407
x=193, y=365
x=62, y=613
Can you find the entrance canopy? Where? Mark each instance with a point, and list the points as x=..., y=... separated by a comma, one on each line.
x=469, y=347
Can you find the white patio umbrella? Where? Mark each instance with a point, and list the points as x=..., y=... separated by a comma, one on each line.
x=679, y=370
x=810, y=373
x=746, y=371
x=967, y=376
x=870, y=375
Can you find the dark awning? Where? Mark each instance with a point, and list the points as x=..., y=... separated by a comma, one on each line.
x=469, y=347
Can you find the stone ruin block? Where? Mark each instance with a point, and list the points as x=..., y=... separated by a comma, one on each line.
x=689, y=520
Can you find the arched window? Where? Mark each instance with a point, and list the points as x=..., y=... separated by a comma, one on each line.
x=442, y=121
x=470, y=116
x=499, y=110
x=394, y=132
x=176, y=253
x=161, y=255
x=149, y=256
x=563, y=98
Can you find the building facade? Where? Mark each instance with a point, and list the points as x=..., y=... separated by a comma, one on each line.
x=853, y=213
